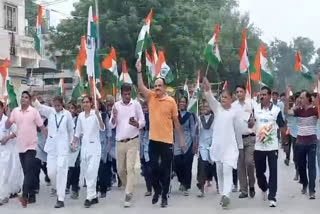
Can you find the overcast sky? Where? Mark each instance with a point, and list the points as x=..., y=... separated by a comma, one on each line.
x=283, y=19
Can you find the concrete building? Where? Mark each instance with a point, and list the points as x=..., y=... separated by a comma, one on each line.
x=26, y=68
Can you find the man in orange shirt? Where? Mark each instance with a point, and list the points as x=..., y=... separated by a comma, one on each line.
x=163, y=114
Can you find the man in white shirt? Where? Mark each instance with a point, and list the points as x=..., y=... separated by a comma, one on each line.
x=246, y=162
x=268, y=119
x=128, y=118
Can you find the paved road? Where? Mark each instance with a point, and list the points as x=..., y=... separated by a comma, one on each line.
x=290, y=201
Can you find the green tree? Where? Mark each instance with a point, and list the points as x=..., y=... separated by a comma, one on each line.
x=181, y=28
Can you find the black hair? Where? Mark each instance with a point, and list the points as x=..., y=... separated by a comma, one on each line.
x=59, y=99
x=282, y=95
x=268, y=90
x=184, y=97
x=275, y=93
x=240, y=86
x=296, y=95
x=27, y=93
x=308, y=95
x=125, y=87
x=88, y=97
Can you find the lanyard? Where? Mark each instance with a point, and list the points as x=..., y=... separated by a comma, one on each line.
x=58, y=124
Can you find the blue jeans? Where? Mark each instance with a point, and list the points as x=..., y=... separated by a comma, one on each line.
x=307, y=160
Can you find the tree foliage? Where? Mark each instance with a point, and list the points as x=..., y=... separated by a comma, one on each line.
x=181, y=28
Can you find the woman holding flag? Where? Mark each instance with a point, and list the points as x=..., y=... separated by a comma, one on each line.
x=89, y=126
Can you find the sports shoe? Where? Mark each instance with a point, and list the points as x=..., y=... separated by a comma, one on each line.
x=186, y=192
x=225, y=201
x=59, y=204
x=103, y=195
x=272, y=203
x=201, y=191
x=312, y=196
x=67, y=191
x=264, y=196
x=127, y=200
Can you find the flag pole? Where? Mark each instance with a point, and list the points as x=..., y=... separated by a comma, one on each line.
x=98, y=28
x=207, y=69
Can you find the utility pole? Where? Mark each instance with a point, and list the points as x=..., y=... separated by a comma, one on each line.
x=98, y=27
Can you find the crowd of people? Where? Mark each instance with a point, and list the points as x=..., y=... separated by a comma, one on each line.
x=233, y=137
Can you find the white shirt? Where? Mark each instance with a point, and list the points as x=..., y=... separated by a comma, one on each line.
x=123, y=129
x=227, y=133
x=244, y=110
x=89, y=129
x=60, y=129
x=266, y=128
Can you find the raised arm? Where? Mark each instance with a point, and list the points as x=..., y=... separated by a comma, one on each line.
x=287, y=111
x=213, y=103
x=145, y=91
x=43, y=109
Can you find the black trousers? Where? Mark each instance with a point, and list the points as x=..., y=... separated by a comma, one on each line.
x=260, y=159
x=205, y=172
x=104, y=176
x=73, y=178
x=40, y=166
x=161, y=155
x=29, y=167
x=147, y=173
x=183, y=167
x=235, y=177
x=307, y=160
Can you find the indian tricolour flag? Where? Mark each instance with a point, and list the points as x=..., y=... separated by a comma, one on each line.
x=186, y=90
x=145, y=31
x=125, y=78
x=193, y=103
x=61, y=87
x=92, y=62
x=80, y=62
x=262, y=72
x=162, y=69
x=298, y=65
x=110, y=63
x=8, y=95
x=38, y=30
x=266, y=74
x=151, y=62
x=211, y=52
x=244, y=60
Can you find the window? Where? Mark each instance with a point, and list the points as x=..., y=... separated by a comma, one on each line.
x=10, y=13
